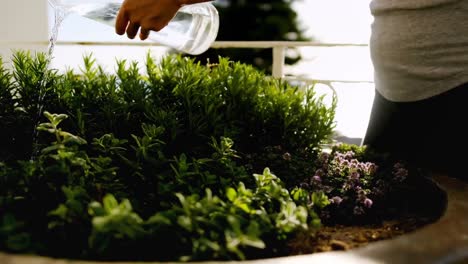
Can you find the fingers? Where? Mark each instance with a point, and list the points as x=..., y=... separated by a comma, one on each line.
x=132, y=30
x=121, y=22
x=144, y=33
x=156, y=24
x=148, y=15
x=151, y=25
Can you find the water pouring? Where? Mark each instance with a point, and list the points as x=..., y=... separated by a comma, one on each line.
x=192, y=30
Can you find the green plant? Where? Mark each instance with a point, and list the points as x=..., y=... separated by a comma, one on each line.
x=133, y=164
x=166, y=165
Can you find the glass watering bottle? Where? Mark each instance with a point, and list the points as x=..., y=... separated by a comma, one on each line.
x=192, y=30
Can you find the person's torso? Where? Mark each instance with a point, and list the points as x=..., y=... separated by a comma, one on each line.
x=378, y=6
x=419, y=47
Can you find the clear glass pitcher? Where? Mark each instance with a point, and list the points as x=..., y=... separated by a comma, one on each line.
x=192, y=30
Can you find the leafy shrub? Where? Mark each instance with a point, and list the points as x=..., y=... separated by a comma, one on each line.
x=185, y=162
x=160, y=166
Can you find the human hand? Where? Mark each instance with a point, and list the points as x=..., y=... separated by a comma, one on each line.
x=145, y=15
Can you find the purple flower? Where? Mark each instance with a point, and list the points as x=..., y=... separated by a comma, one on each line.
x=398, y=165
x=287, y=156
x=368, y=203
x=316, y=179
x=324, y=157
x=362, y=166
x=336, y=200
x=319, y=172
x=349, y=155
x=354, y=175
x=339, y=156
x=344, y=163
x=399, y=172
x=371, y=168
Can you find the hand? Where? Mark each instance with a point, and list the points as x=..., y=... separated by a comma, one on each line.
x=145, y=15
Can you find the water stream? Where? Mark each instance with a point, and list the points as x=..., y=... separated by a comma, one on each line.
x=59, y=16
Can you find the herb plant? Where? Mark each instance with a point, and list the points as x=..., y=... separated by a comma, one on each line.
x=183, y=163
x=172, y=164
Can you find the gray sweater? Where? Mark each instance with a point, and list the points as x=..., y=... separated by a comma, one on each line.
x=419, y=48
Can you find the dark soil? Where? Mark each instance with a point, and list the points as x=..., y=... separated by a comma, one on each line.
x=342, y=237
x=424, y=203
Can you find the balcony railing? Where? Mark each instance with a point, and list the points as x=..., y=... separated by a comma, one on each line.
x=353, y=105
x=278, y=50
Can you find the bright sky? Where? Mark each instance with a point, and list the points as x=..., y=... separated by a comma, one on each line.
x=346, y=21
x=331, y=21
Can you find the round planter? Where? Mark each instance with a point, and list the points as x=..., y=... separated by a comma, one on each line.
x=444, y=241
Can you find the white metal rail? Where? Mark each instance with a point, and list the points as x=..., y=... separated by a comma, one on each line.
x=278, y=49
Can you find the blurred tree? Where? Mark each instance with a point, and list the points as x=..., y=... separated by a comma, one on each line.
x=255, y=20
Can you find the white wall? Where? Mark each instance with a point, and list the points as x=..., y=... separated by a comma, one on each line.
x=24, y=25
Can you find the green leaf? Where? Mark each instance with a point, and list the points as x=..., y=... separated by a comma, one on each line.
x=320, y=200
x=300, y=195
x=231, y=194
x=185, y=222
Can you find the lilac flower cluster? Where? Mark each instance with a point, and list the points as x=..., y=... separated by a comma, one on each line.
x=352, y=185
x=399, y=172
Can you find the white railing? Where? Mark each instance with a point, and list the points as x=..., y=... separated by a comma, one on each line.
x=278, y=49
x=351, y=117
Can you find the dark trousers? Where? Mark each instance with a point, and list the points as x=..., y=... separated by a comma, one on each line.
x=430, y=133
